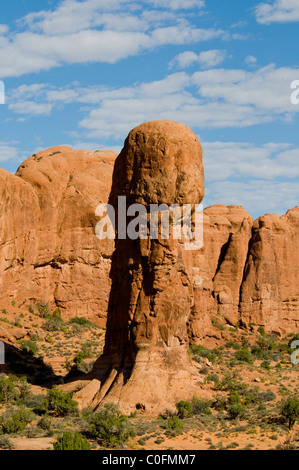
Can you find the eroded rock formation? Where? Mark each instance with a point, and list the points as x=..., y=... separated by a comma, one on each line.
x=146, y=358
x=48, y=249
x=247, y=271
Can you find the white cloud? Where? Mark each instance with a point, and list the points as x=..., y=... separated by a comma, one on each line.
x=250, y=60
x=260, y=178
x=226, y=160
x=210, y=58
x=278, y=11
x=266, y=89
x=215, y=98
x=8, y=152
x=256, y=196
x=97, y=31
x=29, y=107
x=177, y=4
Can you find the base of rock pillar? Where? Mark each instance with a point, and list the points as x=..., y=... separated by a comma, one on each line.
x=150, y=386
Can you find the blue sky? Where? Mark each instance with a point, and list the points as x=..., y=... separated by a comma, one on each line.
x=84, y=73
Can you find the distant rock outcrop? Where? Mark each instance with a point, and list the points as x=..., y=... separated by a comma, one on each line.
x=48, y=249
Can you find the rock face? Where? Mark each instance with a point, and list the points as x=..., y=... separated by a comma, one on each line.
x=269, y=293
x=247, y=271
x=145, y=358
x=48, y=250
x=218, y=270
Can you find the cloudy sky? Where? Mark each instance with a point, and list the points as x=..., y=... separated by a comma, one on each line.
x=84, y=73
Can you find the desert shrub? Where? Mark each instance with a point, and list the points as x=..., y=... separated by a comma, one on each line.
x=30, y=309
x=24, y=389
x=5, y=443
x=236, y=411
x=71, y=441
x=15, y=421
x=198, y=352
x=36, y=403
x=219, y=403
x=213, y=377
x=109, y=426
x=60, y=403
x=175, y=423
x=81, y=321
x=266, y=365
x=290, y=410
x=185, y=409
x=85, y=367
x=81, y=355
x=229, y=383
x=44, y=423
x=166, y=414
x=201, y=406
x=251, y=396
x=232, y=445
x=29, y=346
x=261, y=330
x=8, y=390
x=43, y=310
x=232, y=344
x=233, y=398
x=267, y=343
x=244, y=355
x=53, y=323
x=259, y=353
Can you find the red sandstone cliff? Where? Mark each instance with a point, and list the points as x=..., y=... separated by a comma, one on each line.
x=247, y=271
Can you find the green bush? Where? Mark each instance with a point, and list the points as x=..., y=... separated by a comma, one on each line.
x=8, y=391
x=266, y=365
x=236, y=410
x=110, y=426
x=229, y=383
x=71, y=441
x=185, y=409
x=244, y=355
x=29, y=346
x=290, y=410
x=175, y=423
x=234, y=398
x=201, y=406
x=44, y=423
x=261, y=330
x=81, y=321
x=198, y=352
x=53, y=323
x=85, y=353
x=43, y=309
x=5, y=443
x=219, y=403
x=60, y=403
x=15, y=421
